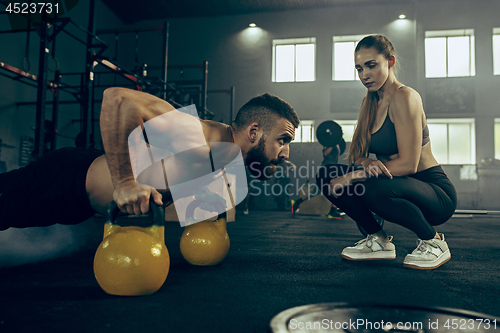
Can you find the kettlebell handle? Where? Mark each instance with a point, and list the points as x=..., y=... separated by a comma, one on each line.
x=197, y=203
x=156, y=213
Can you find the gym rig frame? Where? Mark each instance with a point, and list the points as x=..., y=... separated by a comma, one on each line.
x=84, y=93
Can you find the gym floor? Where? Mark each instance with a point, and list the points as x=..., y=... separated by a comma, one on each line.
x=276, y=261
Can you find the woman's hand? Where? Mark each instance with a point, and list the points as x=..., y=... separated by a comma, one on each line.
x=340, y=182
x=375, y=168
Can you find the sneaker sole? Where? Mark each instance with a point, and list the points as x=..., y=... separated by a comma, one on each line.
x=388, y=256
x=445, y=257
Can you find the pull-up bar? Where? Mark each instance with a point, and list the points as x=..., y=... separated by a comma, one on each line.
x=159, y=29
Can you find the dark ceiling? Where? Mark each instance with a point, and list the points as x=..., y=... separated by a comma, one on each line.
x=132, y=11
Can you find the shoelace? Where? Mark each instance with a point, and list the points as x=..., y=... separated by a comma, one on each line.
x=367, y=239
x=423, y=245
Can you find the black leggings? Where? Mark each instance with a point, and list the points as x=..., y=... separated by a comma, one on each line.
x=47, y=191
x=417, y=202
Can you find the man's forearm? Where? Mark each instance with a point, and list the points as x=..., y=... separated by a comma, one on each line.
x=116, y=124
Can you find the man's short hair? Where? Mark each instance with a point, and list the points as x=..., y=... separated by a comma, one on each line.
x=265, y=109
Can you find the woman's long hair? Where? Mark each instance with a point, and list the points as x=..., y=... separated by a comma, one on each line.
x=367, y=115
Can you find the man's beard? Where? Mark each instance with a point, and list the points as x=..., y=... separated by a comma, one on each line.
x=258, y=164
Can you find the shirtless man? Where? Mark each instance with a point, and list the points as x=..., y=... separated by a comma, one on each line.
x=69, y=185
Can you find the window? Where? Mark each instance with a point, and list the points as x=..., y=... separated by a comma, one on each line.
x=453, y=140
x=294, y=60
x=449, y=53
x=348, y=127
x=343, y=58
x=497, y=139
x=496, y=51
x=305, y=132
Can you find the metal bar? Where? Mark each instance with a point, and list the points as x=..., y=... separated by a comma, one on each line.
x=89, y=33
x=87, y=78
x=17, y=79
x=50, y=103
x=231, y=108
x=23, y=74
x=131, y=86
x=204, y=90
x=136, y=53
x=55, y=107
x=164, y=66
x=124, y=73
x=17, y=71
x=41, y=91
x=126, y=30
x=115, y=58
x=103, y=45
x=55, y=96
x=71, y=73
x=116, y=48
x=79, y=121
x=58, y=28
x=92, y=114
x=15, y=31
x=477, y=212
x=227, y=91
x=188, y=82
x=197, y=66
x=74, y=37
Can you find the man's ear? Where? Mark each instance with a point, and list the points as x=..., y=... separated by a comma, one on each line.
x=254, y=132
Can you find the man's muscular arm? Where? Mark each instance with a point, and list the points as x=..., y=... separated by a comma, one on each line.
x=122, y=111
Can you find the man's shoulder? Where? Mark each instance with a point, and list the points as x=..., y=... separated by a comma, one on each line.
x=215, y=131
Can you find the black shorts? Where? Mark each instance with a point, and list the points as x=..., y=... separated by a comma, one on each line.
x=47, y=191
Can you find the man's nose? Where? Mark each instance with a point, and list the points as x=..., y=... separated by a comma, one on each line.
x=285, y=152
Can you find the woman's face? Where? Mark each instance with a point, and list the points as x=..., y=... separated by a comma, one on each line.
x=372, y=67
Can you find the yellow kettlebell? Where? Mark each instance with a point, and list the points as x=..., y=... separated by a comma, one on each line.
x=204, y=243
x=132, y=261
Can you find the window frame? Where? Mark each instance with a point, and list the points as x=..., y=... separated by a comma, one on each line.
x=438, y=121
x=472, y=137
x=450, y=34
x=343, y=123
x=496, y=57
x=495, y=133
x=345, y=39
x=298, y=131
x=294, y=42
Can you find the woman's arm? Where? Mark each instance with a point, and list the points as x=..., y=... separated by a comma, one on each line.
x=373, y=167
x=406, y=112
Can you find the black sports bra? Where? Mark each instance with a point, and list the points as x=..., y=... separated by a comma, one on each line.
x=384, y=141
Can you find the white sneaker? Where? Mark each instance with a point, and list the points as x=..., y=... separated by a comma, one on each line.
x=429, y=254
x=371, y=248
